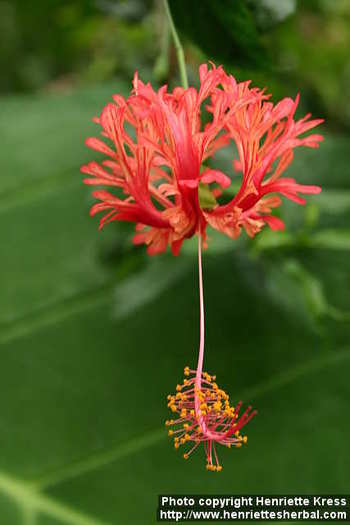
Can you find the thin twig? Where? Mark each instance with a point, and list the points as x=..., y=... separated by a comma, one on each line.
x=178, y=47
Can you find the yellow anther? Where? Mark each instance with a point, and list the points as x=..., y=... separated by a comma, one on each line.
x=245, y=439
x=218, y=468
x=170, y=432
x=187, y=370
x=185, y=456
x=183, y=412
x=203, y=406
x=176, y=445
x=238, y=445
x=192, y=412
x=173, y=408
x=178, y=388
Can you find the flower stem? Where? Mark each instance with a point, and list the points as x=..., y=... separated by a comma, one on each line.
x=178, y=46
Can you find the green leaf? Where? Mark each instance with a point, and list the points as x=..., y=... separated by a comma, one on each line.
x=269, y=239
x=334, y=201
x=335, y=239
x=270, y=12
x=310, y=287
x=225, y=31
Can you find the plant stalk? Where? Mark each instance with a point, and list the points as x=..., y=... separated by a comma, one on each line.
x=178, y=47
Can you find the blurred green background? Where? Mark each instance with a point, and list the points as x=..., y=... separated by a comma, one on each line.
x=94, y=334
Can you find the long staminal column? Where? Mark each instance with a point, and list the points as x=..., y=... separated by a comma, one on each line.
x=198, y=382
x=204, y=411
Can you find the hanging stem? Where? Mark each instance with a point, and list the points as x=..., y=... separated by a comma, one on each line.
x=178, y=46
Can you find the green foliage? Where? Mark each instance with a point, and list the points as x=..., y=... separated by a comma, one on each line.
x=58, y=43
x=235, y=38
x=311, y=49
x=287, y=46
x=94, y=334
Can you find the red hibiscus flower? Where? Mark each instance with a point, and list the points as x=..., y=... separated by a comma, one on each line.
x=157, y=145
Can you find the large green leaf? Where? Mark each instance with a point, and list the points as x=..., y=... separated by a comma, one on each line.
x=94, y=335
x=225, y=31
